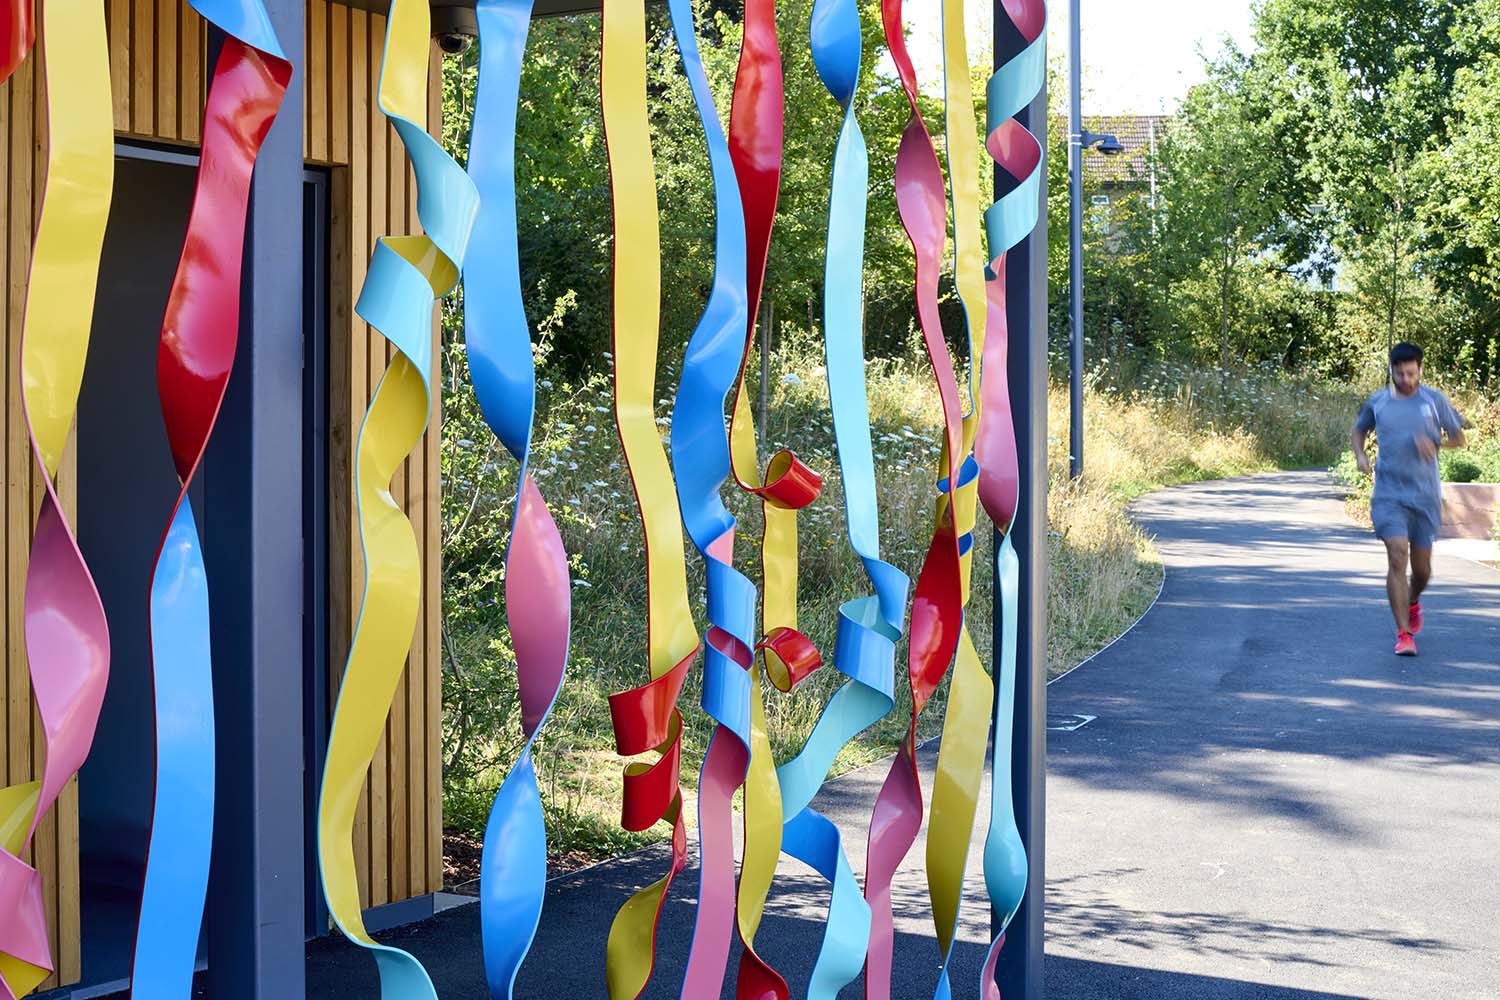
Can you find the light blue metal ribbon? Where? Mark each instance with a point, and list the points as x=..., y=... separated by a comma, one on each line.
x=397, y=300
x=1012, y=87
x=869, y=627
x=1009, y=221
x=182, y=815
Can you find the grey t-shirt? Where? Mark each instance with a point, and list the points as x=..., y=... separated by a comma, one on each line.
x=1402, y=475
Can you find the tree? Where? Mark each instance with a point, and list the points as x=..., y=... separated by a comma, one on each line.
x=1218, y=205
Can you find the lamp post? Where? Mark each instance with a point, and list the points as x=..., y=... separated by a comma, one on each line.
x=1078, y=140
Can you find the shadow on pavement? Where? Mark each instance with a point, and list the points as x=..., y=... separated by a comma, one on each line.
x=1077, y=979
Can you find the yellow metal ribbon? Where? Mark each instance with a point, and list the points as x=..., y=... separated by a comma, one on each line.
x=671, y=636
x=960, y=767
x=57, y=322
x=407, y=274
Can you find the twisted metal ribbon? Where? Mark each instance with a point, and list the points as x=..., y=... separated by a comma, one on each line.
x=17, y=35
x=407, y=274
x=198, y=339
x=739, y=751
x=960, y=766
x=869, y=626
x=787, y=656
x=67, y=637
x=513, y=864
x=937, y=609
x=645, y=718
x=1007, y=222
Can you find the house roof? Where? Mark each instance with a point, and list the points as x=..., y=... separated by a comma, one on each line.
x=1135, y=133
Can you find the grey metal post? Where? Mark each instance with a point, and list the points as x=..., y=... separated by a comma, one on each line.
x=1075, y=246
x=253, y=520
x=1019, y=972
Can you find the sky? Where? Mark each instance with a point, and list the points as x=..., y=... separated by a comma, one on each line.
x=1139, y=56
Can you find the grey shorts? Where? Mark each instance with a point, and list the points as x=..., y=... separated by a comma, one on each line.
x=1394, y=519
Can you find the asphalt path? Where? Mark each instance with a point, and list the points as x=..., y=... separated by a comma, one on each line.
x=1266, y=804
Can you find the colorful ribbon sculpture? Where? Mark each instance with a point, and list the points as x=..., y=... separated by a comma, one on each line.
x=937, y=609
x=196, y=353
x=17, y=35
x=645, y=718
x=406, y=275
x=513, y=865
x=67, y=637
x=1010, y=220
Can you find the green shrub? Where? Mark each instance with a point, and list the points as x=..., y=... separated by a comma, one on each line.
x=1461, y=469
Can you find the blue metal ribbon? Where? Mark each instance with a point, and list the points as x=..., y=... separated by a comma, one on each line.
x=701, y=463
x=244, y=95
x=513, y=863
x=869, y=627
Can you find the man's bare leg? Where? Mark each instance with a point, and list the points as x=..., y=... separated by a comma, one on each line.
x=1421, y=571
x=1397, y=551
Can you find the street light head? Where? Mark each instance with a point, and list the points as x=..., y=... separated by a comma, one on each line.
x=1110, y=145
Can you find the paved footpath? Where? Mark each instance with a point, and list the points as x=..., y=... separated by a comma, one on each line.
x=1268, y=795
x=1267, y=806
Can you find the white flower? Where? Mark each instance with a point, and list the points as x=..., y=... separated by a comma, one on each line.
x=790, y=379
x=546, y=383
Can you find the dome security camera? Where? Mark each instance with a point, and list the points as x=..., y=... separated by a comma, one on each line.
x=454, y=27
x=454, y=43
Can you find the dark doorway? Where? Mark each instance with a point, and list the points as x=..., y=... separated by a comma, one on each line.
x=126, y=488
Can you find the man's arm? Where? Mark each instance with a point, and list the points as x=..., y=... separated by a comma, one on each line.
x=1451, y=423
x=1357, y=439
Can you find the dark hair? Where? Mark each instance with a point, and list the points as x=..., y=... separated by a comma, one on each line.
x=1404, y=352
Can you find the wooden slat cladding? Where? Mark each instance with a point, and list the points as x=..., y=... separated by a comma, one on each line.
x=158, y=70
x=398, y=824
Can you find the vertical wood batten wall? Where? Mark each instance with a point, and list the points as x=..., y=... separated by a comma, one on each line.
x=159, y=73
x=398, y=827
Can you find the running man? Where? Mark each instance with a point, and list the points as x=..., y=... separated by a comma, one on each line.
x=1411, y=422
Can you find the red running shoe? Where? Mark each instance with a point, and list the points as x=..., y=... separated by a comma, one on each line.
x=1405, y=644
x=1416, y=618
